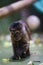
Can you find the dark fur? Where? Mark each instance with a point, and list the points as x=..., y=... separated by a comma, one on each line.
x=20, y=46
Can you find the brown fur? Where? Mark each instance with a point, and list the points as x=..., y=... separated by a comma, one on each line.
x=20, y=46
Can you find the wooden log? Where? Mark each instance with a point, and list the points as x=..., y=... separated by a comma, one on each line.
x=4, y=11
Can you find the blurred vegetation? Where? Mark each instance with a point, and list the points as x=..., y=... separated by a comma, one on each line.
x=5, y=22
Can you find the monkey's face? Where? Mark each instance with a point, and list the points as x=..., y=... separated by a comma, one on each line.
x=16, y=31
x=17, y=35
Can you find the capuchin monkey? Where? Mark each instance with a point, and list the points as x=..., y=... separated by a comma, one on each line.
x=20, y=37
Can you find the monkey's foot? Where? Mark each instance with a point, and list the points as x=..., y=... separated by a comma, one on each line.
x=14, y=58
x=24, y=56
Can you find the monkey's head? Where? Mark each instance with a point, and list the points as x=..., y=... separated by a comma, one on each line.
x=15, y=29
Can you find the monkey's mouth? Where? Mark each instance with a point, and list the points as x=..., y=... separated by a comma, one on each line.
x=17, y=35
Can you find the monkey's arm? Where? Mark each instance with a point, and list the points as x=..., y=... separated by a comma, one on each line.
x=29, y=32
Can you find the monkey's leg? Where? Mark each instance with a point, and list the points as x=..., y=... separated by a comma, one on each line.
x=15, y=54
x=28, y=52
x=25, y=52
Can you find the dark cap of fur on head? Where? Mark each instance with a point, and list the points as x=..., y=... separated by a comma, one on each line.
x=14, y=25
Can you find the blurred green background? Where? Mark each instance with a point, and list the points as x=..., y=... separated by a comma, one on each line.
x=5, y=22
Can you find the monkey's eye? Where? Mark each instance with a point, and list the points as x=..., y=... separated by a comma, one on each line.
x=12, y=30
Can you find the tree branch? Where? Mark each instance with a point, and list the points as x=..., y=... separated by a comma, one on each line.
x=4, y=11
